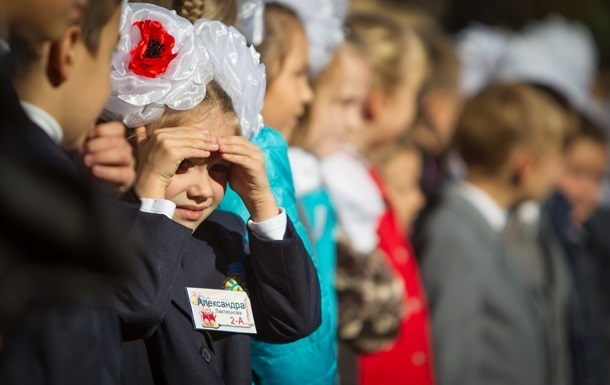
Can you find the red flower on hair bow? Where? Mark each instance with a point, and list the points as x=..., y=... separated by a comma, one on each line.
x=153, y=54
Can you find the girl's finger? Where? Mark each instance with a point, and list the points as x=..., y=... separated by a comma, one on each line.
x=241, y=149
x=185, y=132
x=239, y=160
x=190, y=153
x=190, y=143
x=235, y=140
x=207, y=143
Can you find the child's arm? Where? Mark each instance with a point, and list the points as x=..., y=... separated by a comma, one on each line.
x=284, y=288
x=282, y=278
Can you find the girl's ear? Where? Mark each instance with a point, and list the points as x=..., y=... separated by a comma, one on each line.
x=374, y=104
x=63, y=55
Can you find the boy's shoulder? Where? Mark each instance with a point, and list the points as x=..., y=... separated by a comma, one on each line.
x=456, y=225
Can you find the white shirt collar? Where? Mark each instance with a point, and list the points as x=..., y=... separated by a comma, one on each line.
x=43, y=120
x=485, y=205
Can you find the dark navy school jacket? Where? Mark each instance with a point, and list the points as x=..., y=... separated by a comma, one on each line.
x=161, y=345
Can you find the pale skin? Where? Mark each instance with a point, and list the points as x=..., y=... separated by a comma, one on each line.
x=336, y=110
x=289, y=92
x=191, y=165
x=401, y=176
x=582, y=179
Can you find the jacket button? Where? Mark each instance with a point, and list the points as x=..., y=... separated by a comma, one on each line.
x=206, y=354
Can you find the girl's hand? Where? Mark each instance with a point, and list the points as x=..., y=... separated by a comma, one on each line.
x=248, y=178
x=108, y=157
x=160, y=155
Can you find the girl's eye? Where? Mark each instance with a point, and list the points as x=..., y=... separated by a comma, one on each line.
x=184, y=166
x=219, y=169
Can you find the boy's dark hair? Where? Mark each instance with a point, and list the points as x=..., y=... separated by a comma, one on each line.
x=503, y=117
x=95, y=17
x=280, y=22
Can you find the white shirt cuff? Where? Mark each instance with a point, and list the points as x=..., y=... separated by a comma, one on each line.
x=158, y=206
x=273, y=229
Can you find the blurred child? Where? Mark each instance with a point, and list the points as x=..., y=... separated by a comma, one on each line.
x=440, y=103
x=388, y=112
x=58, y=266
x=340, y=90
x=284, y=51
x=183, y=173
x=572, y=209
x=485, y=323
x=398, y=62
x=336, y=110
x=399, y=166
x=584, y=171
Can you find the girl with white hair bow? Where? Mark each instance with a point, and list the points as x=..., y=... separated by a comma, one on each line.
x=194, y=95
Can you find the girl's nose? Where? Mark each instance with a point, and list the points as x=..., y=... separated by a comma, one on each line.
x=201, y=188
x=307, y=95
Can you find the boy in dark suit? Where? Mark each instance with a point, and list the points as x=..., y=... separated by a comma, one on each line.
x=485, y=327
x=58, y=265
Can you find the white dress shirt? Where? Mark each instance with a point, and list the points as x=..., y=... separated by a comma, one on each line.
x=490, y=210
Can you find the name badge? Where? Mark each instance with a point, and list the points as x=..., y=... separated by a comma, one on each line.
x=221, y=310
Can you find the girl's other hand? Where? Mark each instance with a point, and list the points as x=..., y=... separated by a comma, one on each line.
x=248, y=177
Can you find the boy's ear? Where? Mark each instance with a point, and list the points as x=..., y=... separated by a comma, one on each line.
x=522, y=165
x=62, y=56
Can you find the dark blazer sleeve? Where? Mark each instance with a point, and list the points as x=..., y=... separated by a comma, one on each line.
x=143, y=301
x=284, y=288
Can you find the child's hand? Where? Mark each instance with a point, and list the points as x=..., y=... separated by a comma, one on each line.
x=109, y=157
x=248, y=177
x=160, y=155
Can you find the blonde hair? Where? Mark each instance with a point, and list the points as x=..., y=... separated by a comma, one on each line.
x=224, y=11
x=390, y=49
x=280, y=23
x=503, y=117
x=216, y=99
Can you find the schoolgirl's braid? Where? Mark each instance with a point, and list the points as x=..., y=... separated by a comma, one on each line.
x=192, y=9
